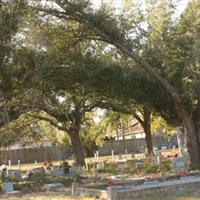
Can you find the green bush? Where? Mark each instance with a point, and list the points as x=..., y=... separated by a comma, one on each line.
x=148, y=167
x=76, y=177
x=111, y=167
x=1, y=185
x=165, y=166
x=38, y=181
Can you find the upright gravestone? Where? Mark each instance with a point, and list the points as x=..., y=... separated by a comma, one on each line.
x=112, y=154
x=75, y=170
x=7, y=187
x=180, y=140
x=179, y=164
x=16, y=174
x=19, y=164
x=9, y=163
x=97, y=155
x=100, y=165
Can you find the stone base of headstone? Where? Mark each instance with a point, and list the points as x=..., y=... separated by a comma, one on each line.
x=53, y=186
x=15, y=192
x=179, y=164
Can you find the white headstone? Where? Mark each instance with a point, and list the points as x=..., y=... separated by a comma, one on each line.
x=112, y=153
x=180, y=140
x=158, y=159
x=164, y=147
x=100, y=165
x=19, y=164
x=9, y=163
x=97, y=154
x=155, y=148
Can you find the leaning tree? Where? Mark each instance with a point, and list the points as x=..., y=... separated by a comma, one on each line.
x=108, y=28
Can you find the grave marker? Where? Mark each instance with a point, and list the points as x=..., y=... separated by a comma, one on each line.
x=112, y=154
x=97, y=154
x=180, y=140
x=16, y=174
x=75, y=170
x=19, y=164
x=179, y=164
x=100, y=165
x=7, y=187
x=53, y=186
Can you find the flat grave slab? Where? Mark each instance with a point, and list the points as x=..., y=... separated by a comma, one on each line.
x=58, y=172
x=54, y=186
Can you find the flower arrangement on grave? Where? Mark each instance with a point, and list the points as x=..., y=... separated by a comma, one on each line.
x=66, y=166
x=48, y=164
x=110, y=183
x=183, y=174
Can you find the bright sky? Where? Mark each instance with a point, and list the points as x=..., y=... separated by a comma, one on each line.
x=118, y=3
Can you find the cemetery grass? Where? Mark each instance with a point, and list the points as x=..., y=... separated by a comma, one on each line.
x=45, y=196
x=180, y=194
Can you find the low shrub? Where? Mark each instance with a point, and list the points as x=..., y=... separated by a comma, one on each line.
x=148, y=167
x=1, y=185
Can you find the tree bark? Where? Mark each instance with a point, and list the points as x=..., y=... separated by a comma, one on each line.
x=192, y=141
x=77, y=148
x=146, y=125
x=195, y=126
x=147, y=131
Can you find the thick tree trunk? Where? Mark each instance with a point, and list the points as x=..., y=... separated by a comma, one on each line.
x=195, y=141
x=147, y=131
x=77, y=148
x=192, y=140
x=146, y=125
